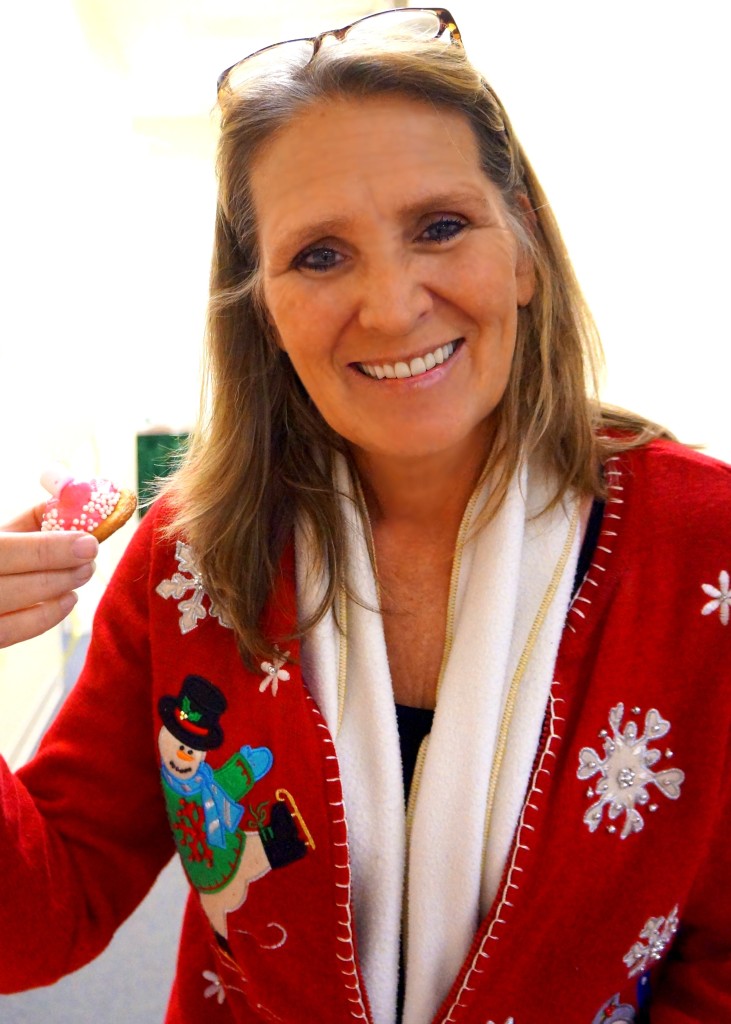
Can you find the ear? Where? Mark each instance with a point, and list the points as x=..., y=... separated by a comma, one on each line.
x=525, y=270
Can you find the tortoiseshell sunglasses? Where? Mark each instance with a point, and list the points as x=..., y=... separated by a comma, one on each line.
x=418, y=23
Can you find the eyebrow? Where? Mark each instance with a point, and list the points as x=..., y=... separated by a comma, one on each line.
x=295, y=239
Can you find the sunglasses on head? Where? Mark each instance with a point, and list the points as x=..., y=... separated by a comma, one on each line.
x=413, y=23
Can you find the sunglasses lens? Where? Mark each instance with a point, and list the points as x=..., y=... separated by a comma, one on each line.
x=407, y=24
x=412, y=25
x=270, y=63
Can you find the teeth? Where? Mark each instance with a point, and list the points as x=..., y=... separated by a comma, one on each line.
x=418, y=366
x=415, y=368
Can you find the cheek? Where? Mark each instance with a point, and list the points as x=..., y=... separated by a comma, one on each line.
x=310, y=345
x=291, y=314
x=482, y=283
x=494, y=309
x=308, y=318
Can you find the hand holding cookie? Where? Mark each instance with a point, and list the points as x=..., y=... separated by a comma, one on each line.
x=39, y=573
x=49, y=551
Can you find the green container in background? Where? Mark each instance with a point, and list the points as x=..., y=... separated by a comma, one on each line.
x=158, y=453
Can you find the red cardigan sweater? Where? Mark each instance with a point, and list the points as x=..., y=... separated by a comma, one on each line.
x=615, y=903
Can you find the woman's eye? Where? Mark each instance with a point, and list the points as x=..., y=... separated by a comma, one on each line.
x=444, y=229
x=318, y=258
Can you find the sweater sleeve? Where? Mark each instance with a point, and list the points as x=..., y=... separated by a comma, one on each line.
x=83, y=832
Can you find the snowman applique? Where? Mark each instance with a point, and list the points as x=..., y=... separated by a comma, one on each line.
x=220, y=857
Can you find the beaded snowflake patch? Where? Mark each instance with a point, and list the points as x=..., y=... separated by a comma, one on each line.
x=657, y=934
x=626, y=771
x=192, y=608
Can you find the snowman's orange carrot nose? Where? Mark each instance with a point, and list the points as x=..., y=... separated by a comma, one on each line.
x=184, y=756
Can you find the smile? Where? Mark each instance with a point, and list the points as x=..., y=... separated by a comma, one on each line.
x=180, y=771
x=415, y=368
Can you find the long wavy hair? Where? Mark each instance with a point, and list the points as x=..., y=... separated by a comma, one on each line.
x=261, y=454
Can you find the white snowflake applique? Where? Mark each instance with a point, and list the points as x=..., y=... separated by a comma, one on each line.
x=721, y=598
x=657, y=933
x=215, y=988
x=626, y=771
x=192, y=608
x=273, y=673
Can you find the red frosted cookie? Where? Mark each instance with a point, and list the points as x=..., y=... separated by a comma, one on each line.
x=95, y=506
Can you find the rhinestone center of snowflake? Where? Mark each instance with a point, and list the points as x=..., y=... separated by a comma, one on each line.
x=658, y=933
x=189, y=577
x=626, y=771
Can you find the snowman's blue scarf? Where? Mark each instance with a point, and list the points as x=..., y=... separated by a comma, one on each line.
x=222, y=814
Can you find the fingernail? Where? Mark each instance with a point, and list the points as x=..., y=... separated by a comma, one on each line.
x=85, y=547
x=67, y=602
x=84, y=573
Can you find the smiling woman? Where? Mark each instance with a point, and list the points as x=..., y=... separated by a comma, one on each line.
x=419, y=264
x=367, y=636
x=291, y=245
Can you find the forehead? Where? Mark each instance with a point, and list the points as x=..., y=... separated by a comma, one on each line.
x=344, y=155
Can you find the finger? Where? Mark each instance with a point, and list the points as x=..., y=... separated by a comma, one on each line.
x=25, y=590
x=19, y=626
x=40, y=552
x=28, y=522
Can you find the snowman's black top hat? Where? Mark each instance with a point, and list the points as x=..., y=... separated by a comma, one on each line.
x=193, y=716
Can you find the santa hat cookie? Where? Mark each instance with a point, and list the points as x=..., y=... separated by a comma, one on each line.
x=95, y=506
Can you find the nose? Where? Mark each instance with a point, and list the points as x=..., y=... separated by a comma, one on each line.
x=393, y=297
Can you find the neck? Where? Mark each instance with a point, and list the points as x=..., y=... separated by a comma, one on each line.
x=428, y=494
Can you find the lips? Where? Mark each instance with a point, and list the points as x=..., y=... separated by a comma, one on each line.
x=402, y=370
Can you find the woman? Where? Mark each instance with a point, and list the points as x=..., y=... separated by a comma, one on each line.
x=402, y=494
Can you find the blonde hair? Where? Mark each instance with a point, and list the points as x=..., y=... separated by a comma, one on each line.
x=262, y=454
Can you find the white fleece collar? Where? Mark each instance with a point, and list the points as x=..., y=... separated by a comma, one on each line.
x=513, y=591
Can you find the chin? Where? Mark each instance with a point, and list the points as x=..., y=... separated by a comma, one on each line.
x=432, y=439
